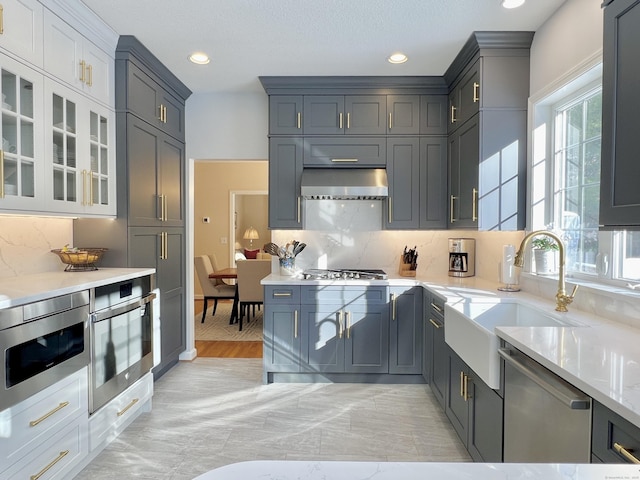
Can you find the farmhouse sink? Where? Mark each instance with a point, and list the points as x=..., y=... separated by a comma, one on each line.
x=470, y=330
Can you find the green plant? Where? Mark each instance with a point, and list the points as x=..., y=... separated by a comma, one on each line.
x=544, y=243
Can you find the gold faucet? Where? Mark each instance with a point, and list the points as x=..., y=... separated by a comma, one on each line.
x=562, y=299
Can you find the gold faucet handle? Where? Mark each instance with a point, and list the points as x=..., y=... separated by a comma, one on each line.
x=573, y=292
x=562, y=299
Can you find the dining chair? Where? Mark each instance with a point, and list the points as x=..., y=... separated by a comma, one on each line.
x=250, y=292
x=210, y=288
x=214, y=263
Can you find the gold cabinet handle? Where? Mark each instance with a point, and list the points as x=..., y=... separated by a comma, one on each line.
x=625, y=453
x=165, y=209
x=163, y=245
x=393, y=306
x=295, y=324
x=476, y=92
x=1, y=173
x=348, y=120
x=474, y=204
x=451, y=201
x=436, y=307
x=390, y=121
x=453, y=114
x=161, y=207
x=90, y=176
x=298, y=209
x=82, y=67
x=348, y=315
x=89, y=75
x=164, y=108
x=131, y=404
x=344, y=160
x=160, y=112
x=1, y=20
x=339, y=317
x=340, y=121
x=461, y=383
x=390, y=208
x=48, y=467
x=33, y=423
x=84, y=187
x=434, y=323
x=466, y=395
x=282, y=294
x=299, y=120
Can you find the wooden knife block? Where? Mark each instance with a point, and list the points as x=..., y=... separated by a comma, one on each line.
x=404, y=269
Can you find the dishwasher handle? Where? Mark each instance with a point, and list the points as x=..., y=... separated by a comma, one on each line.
x=564, y=393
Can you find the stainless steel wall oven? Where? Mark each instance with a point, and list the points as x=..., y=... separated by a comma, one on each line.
x=41, y=343
x=121, y=337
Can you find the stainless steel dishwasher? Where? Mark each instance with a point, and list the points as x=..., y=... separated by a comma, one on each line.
x=546, y=419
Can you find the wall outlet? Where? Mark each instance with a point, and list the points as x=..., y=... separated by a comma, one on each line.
x=224, y=240
x=206, y=220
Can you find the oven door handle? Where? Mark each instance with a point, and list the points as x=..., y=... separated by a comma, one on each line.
x=107, y=313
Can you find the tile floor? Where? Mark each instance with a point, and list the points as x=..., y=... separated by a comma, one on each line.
x=215, y=411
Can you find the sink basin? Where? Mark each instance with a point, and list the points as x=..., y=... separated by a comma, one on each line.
x=469, y=330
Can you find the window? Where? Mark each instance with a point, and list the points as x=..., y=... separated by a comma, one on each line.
x=565, y=181
x=576, y=196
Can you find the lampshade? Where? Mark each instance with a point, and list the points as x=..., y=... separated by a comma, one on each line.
x=251, y=234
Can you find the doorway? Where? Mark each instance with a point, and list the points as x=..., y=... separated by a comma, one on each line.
x=249, y=212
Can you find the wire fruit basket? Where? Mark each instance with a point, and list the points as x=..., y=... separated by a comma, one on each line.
x=80, y=259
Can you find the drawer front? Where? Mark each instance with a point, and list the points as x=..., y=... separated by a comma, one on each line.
x=614, y=439
x=107, y=423
x=345, y=152
x=340, y=295
x=286, y=294
x=41, y=416
x=56, y=458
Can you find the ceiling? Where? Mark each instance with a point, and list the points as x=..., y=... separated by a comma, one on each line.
x=250, y=38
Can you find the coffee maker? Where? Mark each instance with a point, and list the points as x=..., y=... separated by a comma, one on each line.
x=462, y=257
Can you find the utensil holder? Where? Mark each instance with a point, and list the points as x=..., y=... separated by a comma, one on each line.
x=405, y=269
x=288, y=266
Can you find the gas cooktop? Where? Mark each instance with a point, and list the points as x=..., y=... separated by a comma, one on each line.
x=344, y=274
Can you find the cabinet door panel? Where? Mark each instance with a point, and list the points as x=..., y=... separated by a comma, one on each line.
x=367, y=338
x=485, y=422
x=285, y=173
x=285, y=114
x=143, y=150
x=142, y=95
x=366, y=114
x=405, y=342
x=457, y=408
x=433, y=114
x=282, y=338
x=403, y=204
x=323, y=348
x=322, y=114
x=345, y=152
x=440, y=365
x=433, y=183
x=171, y=173
x=22, y=23
x=404, y=113
x=173, y=122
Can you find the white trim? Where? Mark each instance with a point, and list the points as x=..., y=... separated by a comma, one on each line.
x=190, y=351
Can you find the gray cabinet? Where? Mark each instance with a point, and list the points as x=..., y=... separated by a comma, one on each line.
x=489, y=88
x=345, y=329
x=433, y=183
x=403, y=164
x=349, y=151
x=613, y=439
x=405, y=341
x=475, y=411
x=344, y=115
x=282, y=329
x=149, y=230
x=433, y=114
x=403, y=114
x=285, y=174
x=285, y=114
x=436, y=348
x=620, y=169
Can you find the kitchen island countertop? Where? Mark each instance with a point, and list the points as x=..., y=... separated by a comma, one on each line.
x=40, y=286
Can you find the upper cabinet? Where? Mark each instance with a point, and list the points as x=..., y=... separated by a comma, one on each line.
x=348, y=115
x=21, y=29
x=75, y=60
x=489, y=89
x=620, y=169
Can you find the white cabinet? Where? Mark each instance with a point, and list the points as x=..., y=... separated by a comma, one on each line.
x=75, y=60
x=48, y=429
x=21, y=29
x=21, y=154
x=79, y=139
x=108, y=422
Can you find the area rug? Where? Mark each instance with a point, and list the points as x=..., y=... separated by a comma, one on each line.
x=218, y=328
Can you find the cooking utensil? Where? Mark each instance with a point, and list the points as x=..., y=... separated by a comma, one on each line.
x=298, y=248
x=272, y=249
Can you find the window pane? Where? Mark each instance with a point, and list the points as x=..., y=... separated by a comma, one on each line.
x=594, y=117
x=574, y=125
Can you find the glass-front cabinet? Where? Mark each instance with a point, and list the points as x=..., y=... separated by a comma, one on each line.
x=81, y=177
x=21, y=155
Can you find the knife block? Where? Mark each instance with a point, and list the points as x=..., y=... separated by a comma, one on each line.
x=405, y=269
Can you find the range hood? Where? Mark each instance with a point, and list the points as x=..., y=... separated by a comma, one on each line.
x=344, y=183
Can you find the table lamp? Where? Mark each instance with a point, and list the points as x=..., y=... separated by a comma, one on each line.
x=251, y=234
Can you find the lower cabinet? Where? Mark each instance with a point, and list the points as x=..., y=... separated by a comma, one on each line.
x=405, y=327
x=613, y=439
x=436, y=349
x=282, y=332
x=475, y=411
x=47, y=432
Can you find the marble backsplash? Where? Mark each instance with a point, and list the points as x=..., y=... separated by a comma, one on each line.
x=26, y=244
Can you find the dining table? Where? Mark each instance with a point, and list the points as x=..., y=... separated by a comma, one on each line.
x=229, y=273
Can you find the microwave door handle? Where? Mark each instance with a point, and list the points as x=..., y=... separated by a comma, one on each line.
x=108, y=313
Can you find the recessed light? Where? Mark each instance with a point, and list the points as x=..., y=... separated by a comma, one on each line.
x=397, y=58
x=512, y=3
x=200, y=58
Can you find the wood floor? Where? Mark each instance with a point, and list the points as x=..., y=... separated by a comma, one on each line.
x=223, y=349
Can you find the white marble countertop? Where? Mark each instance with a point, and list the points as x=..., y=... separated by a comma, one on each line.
x=39, y=286
x=601, y=358
x=326, y=470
